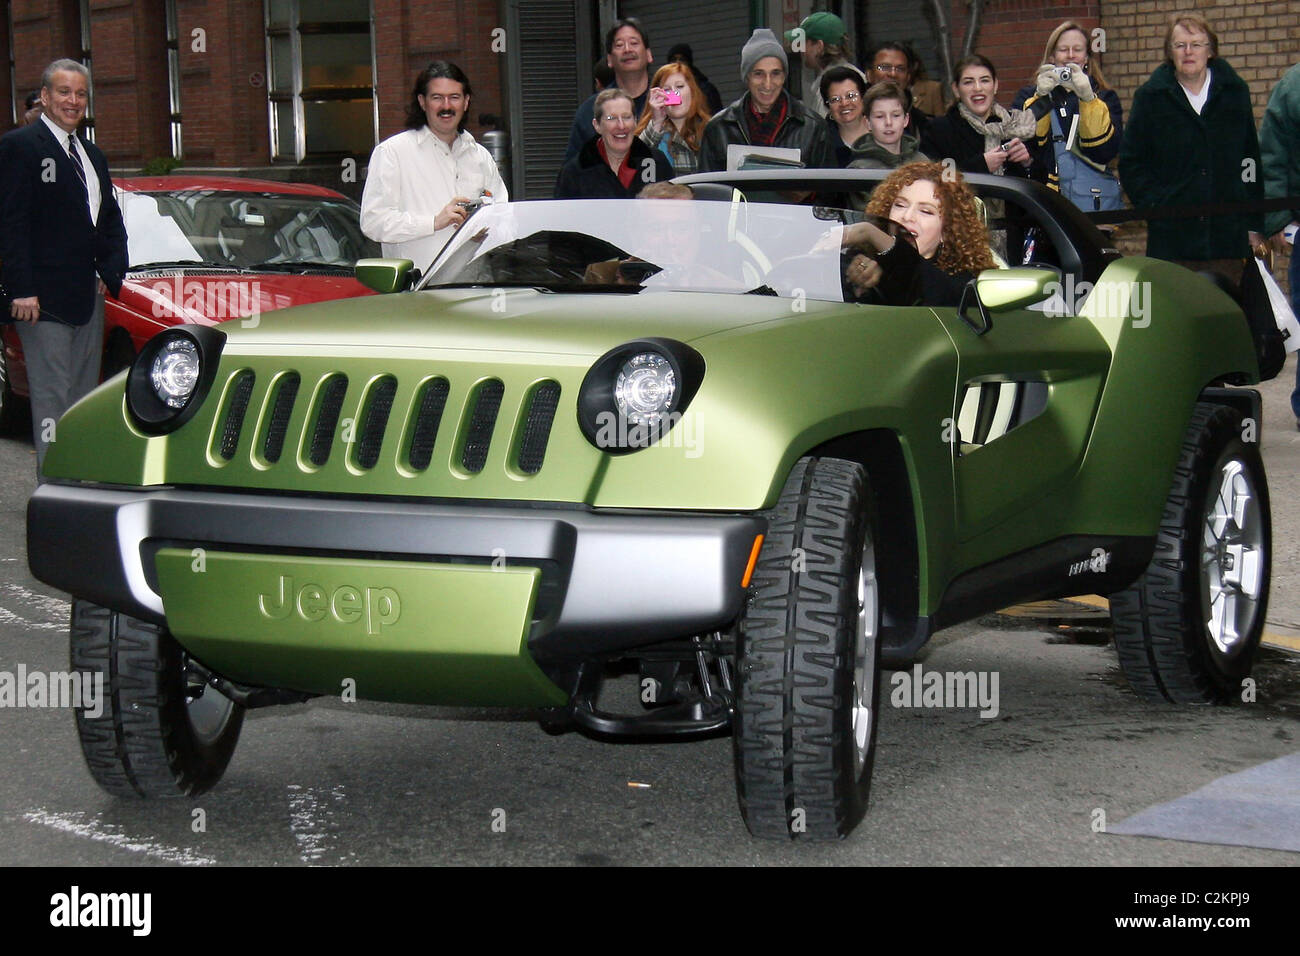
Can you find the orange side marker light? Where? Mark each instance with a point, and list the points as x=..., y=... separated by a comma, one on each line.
x=753, y=560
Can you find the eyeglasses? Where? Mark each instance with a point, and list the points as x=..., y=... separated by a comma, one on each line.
x=452, y=98
x=1194, y=45
x=889, y=68
x=626, y=120
x=847, y=98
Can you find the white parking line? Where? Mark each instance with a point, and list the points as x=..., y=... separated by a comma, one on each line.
x=9, y=617
x=311, y=820
x=95, y=829
x=54, y=607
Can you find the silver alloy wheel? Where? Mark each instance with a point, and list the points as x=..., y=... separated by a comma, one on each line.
x=864, y=656
x=1232, y=558
x=208, y=713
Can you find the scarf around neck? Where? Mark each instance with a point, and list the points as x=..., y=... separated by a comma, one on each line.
x=1001, y=125
x=763, y=127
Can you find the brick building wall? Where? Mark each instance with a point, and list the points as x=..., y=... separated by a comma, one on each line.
x=129, y=64
x=1013, y=33
x=1259, y=38
x=410, y=33
x=223, y=69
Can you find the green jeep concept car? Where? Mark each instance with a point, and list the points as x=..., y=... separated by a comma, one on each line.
x=659, y=436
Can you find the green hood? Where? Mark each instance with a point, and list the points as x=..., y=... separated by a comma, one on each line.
x=501, y=320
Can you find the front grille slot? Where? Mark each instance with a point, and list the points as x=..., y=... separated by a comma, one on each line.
x=329, y=405
x=478, y=436
x=374, y=420
x=542, y=405
x=286, y=393
x=432, y=403
x=240, y=392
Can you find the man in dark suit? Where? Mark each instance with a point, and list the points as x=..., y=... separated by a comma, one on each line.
x=62, y=241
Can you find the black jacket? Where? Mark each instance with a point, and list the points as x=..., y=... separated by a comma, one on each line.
x=1171, y=156
x=803, y=130
x=588, y=176
x=907, y=279
x=950, y=137
x=49, y=248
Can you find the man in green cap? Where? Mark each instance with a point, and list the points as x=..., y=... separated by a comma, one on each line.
x=823, y=39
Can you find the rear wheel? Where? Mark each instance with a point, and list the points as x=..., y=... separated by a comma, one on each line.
x=161, y=731
x=808, y=667
x=1188, y=630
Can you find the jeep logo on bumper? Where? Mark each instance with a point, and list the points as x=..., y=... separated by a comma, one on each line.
x=345, y=605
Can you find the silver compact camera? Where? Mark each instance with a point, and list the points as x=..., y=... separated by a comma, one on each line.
x=1063, y=73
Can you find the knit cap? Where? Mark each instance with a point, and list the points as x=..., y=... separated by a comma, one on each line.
x=762, y=43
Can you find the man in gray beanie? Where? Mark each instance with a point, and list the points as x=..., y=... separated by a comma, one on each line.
x=766, y=115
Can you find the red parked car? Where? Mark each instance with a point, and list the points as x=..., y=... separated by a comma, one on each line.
x=206, y=249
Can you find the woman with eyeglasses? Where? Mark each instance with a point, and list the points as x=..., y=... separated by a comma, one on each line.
x=614, y=163
x=842, y=90
x=1191, y=140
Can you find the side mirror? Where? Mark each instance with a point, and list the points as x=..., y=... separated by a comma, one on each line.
x=1003, y=290
x=385, y=275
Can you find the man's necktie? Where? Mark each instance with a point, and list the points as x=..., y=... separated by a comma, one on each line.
x=76, y=161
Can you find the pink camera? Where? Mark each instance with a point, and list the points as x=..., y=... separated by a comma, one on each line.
x=672, y=98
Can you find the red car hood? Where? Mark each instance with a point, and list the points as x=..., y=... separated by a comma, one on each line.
x=206, y=298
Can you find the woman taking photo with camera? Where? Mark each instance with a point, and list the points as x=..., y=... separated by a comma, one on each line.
x=1079, y=135
x=675, y=116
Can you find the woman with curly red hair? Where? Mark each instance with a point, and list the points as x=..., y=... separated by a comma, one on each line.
x=675, y=128
x=936, y=242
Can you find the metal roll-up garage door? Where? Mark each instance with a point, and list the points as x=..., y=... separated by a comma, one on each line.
x=715, y=31
x=549, y=77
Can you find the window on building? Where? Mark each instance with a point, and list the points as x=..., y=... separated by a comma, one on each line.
x=174, y=79
x=320, y=73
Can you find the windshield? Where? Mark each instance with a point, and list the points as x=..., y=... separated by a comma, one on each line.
x=649, y=245
x=242, y=230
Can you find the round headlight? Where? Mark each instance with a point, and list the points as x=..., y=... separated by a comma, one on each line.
x=175, y=372
x=645, y=389
x=170, y=378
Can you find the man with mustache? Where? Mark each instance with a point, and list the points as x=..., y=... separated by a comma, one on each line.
x=421, y=181
x=627, y=51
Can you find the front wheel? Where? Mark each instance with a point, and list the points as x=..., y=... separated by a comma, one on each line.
x=1188, y=629
x=160, y=732
x=808, y=660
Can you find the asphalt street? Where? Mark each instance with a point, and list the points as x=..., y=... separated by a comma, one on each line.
x=329, y=783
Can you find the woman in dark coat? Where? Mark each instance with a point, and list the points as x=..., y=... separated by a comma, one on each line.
x=613, y=164
x=976, y=133
x=1191, y=140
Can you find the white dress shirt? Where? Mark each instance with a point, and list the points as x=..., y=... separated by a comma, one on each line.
x=92, y=177
x=412, y=176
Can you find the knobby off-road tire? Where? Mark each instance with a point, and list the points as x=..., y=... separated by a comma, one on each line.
x=1188, y=629
x=152, y=739
x=808, y=660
